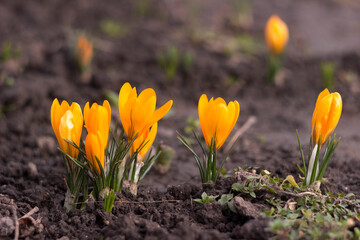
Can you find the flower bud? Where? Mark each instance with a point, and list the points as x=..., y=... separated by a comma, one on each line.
x=326, y=115
x=276, y=34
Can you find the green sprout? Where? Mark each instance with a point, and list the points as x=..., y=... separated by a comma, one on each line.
x=109, y=198
x=165, y=158
x=143, y=8
x=328, y=74
x=227, y=200
x=192, y=124
x=261, y=138
x=170, y=60
x=6, y=108
x=243, y=43
x=6, y=80
x=274, y=64
x=112, y=97
x=113, y=28
x=8, y=52
x=205, y=198
x=188, y=60
x=243, y=17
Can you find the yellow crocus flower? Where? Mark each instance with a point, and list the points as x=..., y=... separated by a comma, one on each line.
x=97, y=118
x=97, y=122
x=276, y=34
x=217, y=119
x=67, y=124
x=137, y=112
x=84, y=51
x=326, y=115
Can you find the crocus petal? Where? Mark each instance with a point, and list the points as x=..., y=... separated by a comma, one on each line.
x=54, y=109
x=320, y=97
x=106, y=105
x=160, y=113
x=78, y=121
x=123, y=95
x=149, y=140
x=141, y=113
x=146, y=95
x=202, y=110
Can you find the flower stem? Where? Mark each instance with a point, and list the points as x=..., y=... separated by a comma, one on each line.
x=311, y=166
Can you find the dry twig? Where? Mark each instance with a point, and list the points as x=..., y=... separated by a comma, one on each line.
x=247, y=125
x=31, y=212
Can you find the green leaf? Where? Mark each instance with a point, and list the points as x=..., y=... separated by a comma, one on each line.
x=198, y=200
x=237, y=187
x=205, y=198
x=270, y=212
x=302, y=155
x=225, y=198
x=201, y=168
x=231, y=206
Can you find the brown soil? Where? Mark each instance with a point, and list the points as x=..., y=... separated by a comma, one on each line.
x=32, y=174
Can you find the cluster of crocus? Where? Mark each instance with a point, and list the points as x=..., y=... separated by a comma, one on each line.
x=83, y=52
x=276, y=37
x=99, y=159
x=325, y=118
x=67, y=122
x=217, y=119
x=140, y=120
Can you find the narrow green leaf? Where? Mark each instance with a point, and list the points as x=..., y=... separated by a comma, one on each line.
x=302, y=155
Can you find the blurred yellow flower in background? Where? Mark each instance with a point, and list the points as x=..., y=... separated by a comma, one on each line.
x=84, y=51
x=276, y=34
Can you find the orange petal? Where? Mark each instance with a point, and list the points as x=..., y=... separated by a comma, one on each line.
x=160, y=113
x=124, y=95
x=149, y=141
x=107, y=106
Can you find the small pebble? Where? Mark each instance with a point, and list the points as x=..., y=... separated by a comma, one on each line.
x=33, y=172
x=46, y=144
x=7, y=226
x=63, y=238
